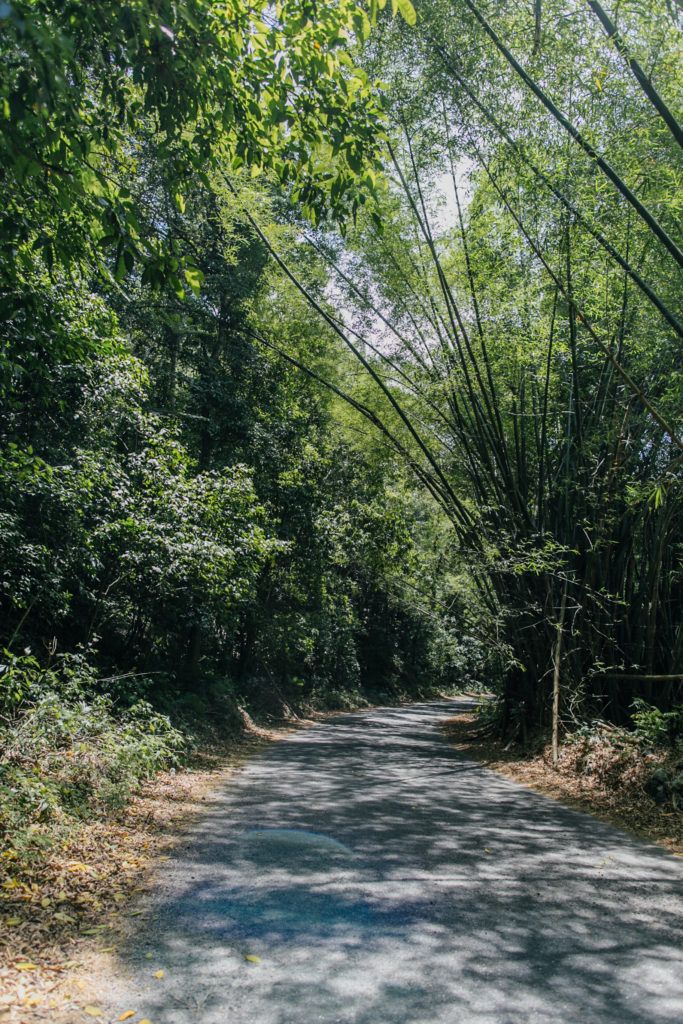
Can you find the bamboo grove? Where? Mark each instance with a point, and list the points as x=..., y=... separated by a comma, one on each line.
x=524, y=338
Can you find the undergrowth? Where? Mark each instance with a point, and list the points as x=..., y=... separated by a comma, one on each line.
x=68, y=754
x=646, y=759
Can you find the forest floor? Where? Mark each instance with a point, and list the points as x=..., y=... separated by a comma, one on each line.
x=624, y=805
x=62, y=916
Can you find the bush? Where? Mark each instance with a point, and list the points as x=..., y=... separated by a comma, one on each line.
x=70, y=755
x=658, y=728
x=331, y=698
x=647, y=760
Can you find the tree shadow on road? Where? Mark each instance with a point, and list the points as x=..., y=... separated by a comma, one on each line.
x=383, y=879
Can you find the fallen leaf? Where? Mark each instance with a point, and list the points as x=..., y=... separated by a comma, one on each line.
x=92, y=1011
x=159, y=974
x=11, y=921
x=252, y=959
x=127, y=1015
x=145, y=1020
x=26, y=965
x=149, y=956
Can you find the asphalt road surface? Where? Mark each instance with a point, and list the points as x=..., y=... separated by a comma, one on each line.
x=382, y=878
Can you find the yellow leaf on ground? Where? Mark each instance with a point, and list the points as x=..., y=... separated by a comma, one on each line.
x=127, y=1015
x=26, y=965
x=252, y=959
x=92, y=1011
x=11, y=921
x=145, y=1020
x=159, y=974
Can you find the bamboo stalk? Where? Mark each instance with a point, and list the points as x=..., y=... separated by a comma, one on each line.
x=557, y=658
x=643, y=80
x=571, y=207
x=637, y=677
x=579, y=138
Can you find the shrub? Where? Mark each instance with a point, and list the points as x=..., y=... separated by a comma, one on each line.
x=658, y=728
x=69, y=754
x=645, y=760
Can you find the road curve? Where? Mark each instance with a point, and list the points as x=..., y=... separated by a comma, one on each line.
x=382, y=878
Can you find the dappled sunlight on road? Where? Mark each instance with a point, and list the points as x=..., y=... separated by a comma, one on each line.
x=381, y=878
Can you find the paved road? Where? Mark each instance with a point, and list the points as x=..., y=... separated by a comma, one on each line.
x=382, y=878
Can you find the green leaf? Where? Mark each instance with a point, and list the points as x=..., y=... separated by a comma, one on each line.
x=176, y=287
x=407, y=11
x=120, y=271
x=194, y=278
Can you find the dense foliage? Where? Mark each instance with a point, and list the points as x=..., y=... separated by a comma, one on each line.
x=340, y=356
